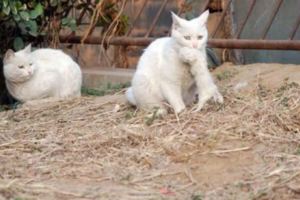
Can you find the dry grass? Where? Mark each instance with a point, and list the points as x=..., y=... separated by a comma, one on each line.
x=99, y=148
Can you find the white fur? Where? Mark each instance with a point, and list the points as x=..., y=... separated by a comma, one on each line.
x=174, y=69
x=40, y=74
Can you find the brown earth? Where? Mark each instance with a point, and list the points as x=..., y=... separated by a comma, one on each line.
x=100, y=148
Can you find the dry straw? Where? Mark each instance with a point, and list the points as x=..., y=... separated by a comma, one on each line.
x=89, y=148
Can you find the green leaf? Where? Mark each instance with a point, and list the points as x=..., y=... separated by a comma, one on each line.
x=13, y=7
x=24, y=15
x=65, y=21
x=18, y=43
x=72, y=25
x=33, y=14
x=5, y=3
x=33, y=28
x=38, y=10
x=6, y=10
x=20, y=6
x=22, y=26
x=33, y=33
x=17, y=18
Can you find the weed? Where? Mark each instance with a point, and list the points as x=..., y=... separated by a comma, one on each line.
x=197, y=197
x=298, y=151
x=92, y=92
x=18, y=198
x=129, y=115
x=262, y=91
x=109, y=88
x=225, y=75
x=149, y=119
x=286, y=86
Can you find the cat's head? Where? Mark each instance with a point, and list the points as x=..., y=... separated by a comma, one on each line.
x=190, y=33
x=18, y=66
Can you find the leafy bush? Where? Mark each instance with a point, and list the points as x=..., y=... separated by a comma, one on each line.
x=31, y=20
x=24, y=21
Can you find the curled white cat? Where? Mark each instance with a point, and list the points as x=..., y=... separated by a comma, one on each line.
x=40, y=74
x=174, y=70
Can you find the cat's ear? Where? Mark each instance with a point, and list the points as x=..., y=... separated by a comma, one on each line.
x=202, y=19
x=177, y=21
x=8, y=55
x=27, y=49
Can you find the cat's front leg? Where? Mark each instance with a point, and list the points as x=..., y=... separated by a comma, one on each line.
x=205, y=84
x=188, y=55
x=203, y=96
x=207, y=91
x=206, y=95
x=218, y=97
x=172, y=93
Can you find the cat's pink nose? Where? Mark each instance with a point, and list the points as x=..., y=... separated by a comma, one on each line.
x=194, y=45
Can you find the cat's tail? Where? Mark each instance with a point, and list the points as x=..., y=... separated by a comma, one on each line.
x=130, y=97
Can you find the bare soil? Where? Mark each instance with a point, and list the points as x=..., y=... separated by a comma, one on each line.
x=101, y=148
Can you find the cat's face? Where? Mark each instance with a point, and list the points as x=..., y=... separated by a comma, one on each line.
x=18, y=66
x=192, y=33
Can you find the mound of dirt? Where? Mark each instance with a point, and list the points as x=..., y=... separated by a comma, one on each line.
x=271, y=76
x=101, y=148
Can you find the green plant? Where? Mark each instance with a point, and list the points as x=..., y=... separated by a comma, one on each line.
x=297, y=151
x=92, y=92
x=37, y=21
x=31, y=20
x=197, y=197
x=150, y=118
x=130, y=114
x=108, y=88
x=225, y=75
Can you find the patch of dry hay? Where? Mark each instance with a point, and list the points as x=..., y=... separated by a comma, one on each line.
x=85, y=149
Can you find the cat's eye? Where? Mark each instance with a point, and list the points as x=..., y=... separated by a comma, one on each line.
x=21, y=67
x=187, y=37
x=200, y=37
x=30, y=64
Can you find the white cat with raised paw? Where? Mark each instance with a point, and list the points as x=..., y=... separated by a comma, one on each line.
x=43, y=73
x=174, y=69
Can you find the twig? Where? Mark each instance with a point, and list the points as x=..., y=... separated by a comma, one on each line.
x=227, y=151
x=9, y=143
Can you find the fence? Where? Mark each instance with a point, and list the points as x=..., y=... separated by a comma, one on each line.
x=233, y=42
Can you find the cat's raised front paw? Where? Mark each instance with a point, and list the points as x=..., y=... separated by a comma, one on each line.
x=188, y=55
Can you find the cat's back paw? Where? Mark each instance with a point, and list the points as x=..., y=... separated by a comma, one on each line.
x=130, y=96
